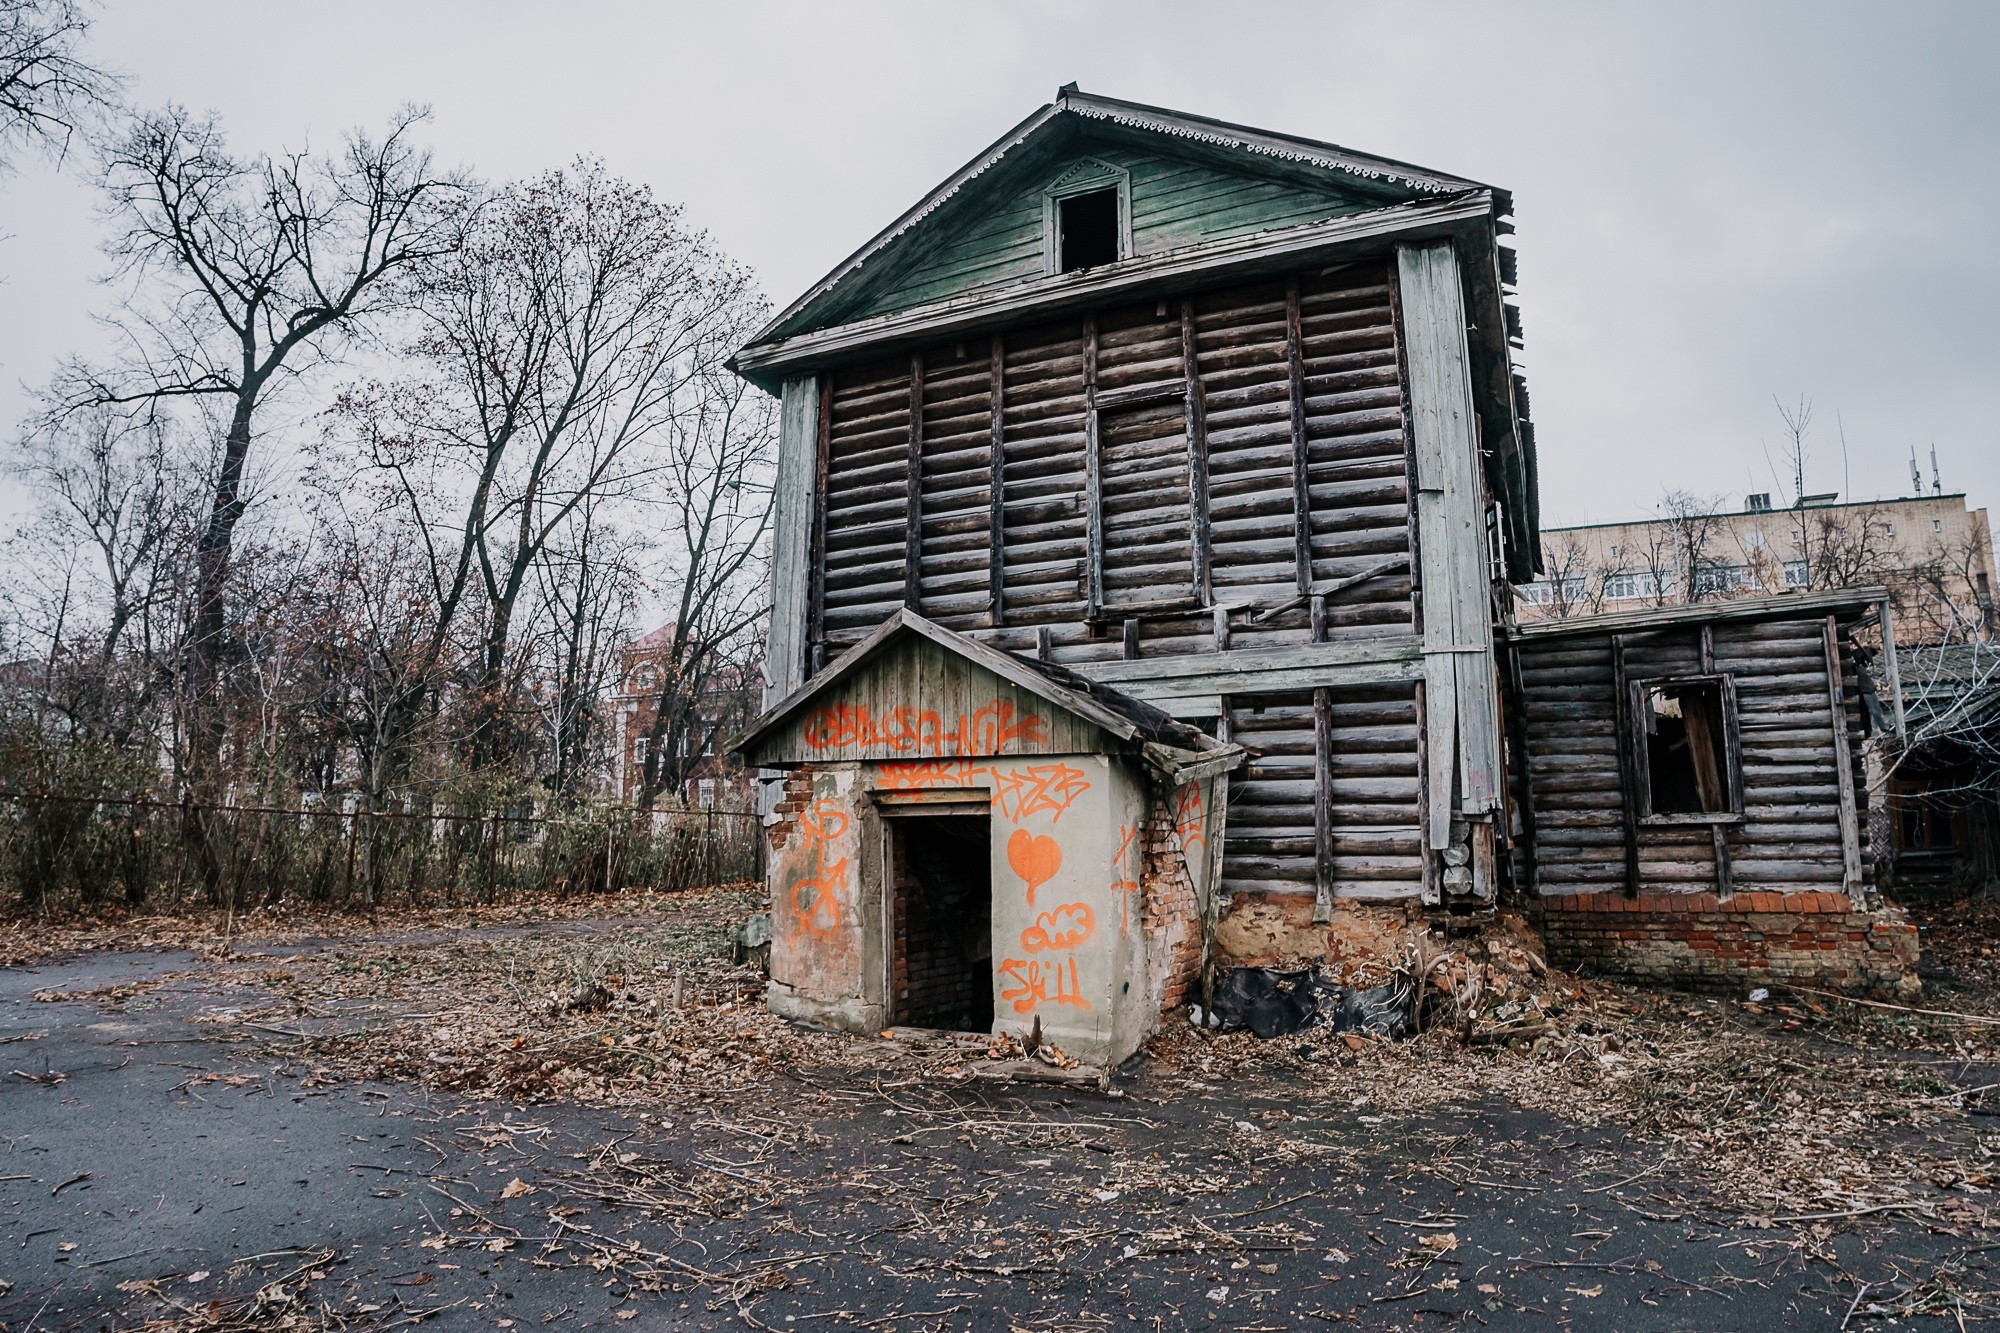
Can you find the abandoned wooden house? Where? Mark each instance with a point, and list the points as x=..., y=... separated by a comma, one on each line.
x=1221, y=422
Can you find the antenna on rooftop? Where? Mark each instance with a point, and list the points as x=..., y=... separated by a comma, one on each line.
x=1937, y=485
x=1916, y=473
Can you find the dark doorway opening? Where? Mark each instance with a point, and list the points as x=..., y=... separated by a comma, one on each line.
x=1089, y=227
x=943, y=882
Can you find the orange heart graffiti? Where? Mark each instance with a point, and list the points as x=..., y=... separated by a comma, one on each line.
x=1035, y=858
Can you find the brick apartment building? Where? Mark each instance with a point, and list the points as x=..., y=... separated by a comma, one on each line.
x=716, y=780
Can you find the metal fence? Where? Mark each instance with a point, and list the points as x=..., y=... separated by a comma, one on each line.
x=84, y=851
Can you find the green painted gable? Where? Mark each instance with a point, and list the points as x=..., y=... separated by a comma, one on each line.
x=1191, y=181
x=1175, y=202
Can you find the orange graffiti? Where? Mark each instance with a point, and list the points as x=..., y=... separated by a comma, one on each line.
x=1019, y=793
x=1189, y=817
x=1032, y=981
x=987, y=730
x=1064, y=928
x=1035, y=858
x=1037, y=787
x=814, y=895
x=1126, y=833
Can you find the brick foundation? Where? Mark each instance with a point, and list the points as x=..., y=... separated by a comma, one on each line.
x=1695, y=941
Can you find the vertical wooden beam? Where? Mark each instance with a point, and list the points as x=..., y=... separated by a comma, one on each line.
x=1895, y=668
x=1093, y=480
x=1524, y=765
x=1319, y=618
x=825, y=469
x=1412, y=527
x=913, y=495
x=1323, y=805
x=1708, y=650
x=1131, y=640
x=1044, y=647
x=1430, y=893
x=1843, y=765
x=1301, y=487
x=1196, y=426
x=996, y=485
x=1218, y=833
x=797, y=521
x=1628, y=781
x=1221, y=629
x=1725, y=887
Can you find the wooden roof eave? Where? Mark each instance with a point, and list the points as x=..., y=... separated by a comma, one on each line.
x=768, y=363
x=1003, y=665
x=1783, y=606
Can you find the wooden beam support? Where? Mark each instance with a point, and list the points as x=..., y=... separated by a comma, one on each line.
x=996, y=485
x=1516, y=712
x=1131, y=637
x=1093, y=478
x=1196, y=425
x=1044, y=647
x=1895, y=668
x=1628, y=779
x=1318, y=600
x=1301, y=482
x=1221, y=629
x=1843, y=765
x=1430, y=894
x=796, y=546
x=913, y=493
x=1323, y=806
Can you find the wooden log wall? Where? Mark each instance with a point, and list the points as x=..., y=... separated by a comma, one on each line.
x=1369, y=843
x=1152, y=459
x=1791, y=837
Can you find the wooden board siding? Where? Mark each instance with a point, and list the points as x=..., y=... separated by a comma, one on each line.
x=866, y=499
x=1790, y=837
x=1151, y=539
x=1368, y=751
x=1174, y=203
x=918, y=702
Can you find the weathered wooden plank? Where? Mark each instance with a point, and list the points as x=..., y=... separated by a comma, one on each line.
x=1323, y=805
x=1457, y=609
x=1197, y=445
x=1888, y=618
x=996, y=456
x=1301, y=462
x=913, y=492
x=794, y=527
x=1628, y=782
x=1093, y=477
x=1843, y=765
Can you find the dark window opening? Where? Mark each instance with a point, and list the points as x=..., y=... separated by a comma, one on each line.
x=1686, y=747
x=1088, y=228
x=1926, y=819
x=942, y=968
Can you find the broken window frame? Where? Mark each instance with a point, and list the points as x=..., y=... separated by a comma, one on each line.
x=1637, y=710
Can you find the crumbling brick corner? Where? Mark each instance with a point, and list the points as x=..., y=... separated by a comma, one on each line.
x=1695, y=941
x=783, y=821
x=1169, y=913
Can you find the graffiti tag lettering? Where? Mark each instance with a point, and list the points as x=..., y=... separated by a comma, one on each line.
x=1063, y=928
x=813, y=890
x=1018, y=792
x=1032, y=982
x=1189, y=817
x=989, y=729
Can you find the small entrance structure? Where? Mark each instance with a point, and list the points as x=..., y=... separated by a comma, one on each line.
x=969, y=840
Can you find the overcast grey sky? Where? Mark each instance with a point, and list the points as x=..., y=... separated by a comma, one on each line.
x=1716, y=203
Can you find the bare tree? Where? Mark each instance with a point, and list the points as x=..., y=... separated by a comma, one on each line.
x=717, y=502
x=1574, y=587
x=587, y=585
x=1692, y=523
x=48, y=91
x=242, y=273
x=567, y=333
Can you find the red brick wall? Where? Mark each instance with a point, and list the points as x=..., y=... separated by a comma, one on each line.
x=1695, y=941
x=798, y=795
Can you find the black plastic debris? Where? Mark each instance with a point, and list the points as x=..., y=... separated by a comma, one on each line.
x=1277, y=1004
x=1271, y=1004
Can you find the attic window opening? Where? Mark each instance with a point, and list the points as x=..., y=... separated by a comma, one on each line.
x=1087, y=225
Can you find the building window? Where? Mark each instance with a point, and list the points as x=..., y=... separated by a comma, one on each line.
x=1796, y=574
x=1716, y=580
x=1888, y=529
x=1545, y=591
x=707, y=788
x=1087, y=228
x=1684, y=734
x=1758, y=502
x=639, y=752
x=1937, y=525
x=1631, y=587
